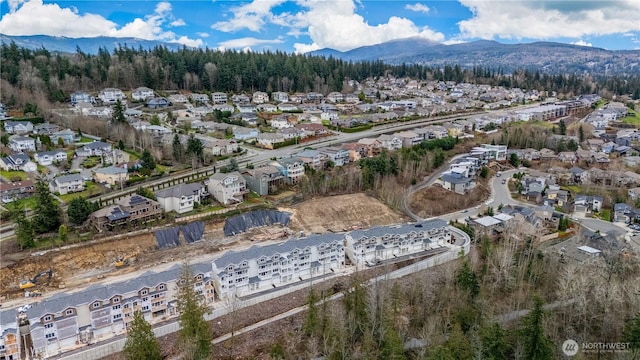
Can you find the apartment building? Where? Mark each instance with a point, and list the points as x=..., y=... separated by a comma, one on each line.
x=389, y=242
x=264, y=267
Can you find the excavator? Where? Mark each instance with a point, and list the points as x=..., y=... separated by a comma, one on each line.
x=28, y=284
x=125, y=260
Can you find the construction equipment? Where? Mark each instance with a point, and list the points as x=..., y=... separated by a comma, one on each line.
x=27, y=284
x=125, y=260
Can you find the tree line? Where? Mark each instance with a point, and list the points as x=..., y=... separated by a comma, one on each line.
x=57, y=75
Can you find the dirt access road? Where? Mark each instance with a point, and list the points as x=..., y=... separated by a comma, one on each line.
x=93, y=262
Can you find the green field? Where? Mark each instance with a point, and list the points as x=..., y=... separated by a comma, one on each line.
x=85, y=139
x=632, y=120
x=11, y=174
x=90, y=189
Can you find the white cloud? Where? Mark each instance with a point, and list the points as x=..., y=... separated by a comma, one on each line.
x=417, y=7
x=252, y=16
x=581, y=43
x=335, y=24
x=453, y=42
x=202, y=34
x=178, y=22
x=247, y=42
x=58, y=21
x=544, y=19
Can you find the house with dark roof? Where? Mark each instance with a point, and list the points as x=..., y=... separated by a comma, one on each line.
x=456, y=182
x=180, y=198
x=585, y=204
x=263, y=180
x=228, y=188
x=45, y=129
x=16, y=190
x=95, y=148
x=625, y=213
x=132, y=209
x=17, y=162
x=49, y=157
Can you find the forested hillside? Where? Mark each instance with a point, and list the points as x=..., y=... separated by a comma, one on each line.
x=57, y=75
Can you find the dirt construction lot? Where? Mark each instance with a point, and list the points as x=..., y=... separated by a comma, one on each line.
x=84, y=264
x=436, y=201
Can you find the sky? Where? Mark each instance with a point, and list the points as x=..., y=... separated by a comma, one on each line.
x=304, y=25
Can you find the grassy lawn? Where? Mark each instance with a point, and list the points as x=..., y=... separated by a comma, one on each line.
x=85, y=139
x=132, y=155
x=42, y=169
x=11, y=174
x=574, y=189
x=605, y=215
x=91, y=189
x=544, y=124
x=163, y=168
x=90, y=162
x=30, y=202
x=632, y=120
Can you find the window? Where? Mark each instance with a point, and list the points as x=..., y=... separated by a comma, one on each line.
x=48, y=326
x=144, y=292
x=117, y=316
x=155, y=296
x=95, y=305
x=69, y=312
x=50, y=335
x=145, y=299
x=161, y=287
x=156, y=304
x=116, y=300
x=145, y=308
x=115, y=307
x=47, y=318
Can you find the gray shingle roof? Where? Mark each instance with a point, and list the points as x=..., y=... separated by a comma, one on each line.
x=399, y=229
x=237, y=257
x=68, y=178
x=179, y=190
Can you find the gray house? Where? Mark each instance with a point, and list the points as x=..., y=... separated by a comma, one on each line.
x=263, y=180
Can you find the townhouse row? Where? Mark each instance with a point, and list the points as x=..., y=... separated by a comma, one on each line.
x=67, y=321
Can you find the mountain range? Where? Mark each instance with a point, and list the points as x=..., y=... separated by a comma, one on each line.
x=546, y=57
x=86, y=45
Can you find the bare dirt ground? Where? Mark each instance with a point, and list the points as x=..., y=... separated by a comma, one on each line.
x=435, y=201
x=341, y=212
x=88, y=263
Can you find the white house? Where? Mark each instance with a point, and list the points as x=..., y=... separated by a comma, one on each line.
x=390, y=142
x=203, y=98
x=280, y=123
x=221, y=147
x=95, y=148
x=18, y=127
x=19, y=143
x=111, y=95
x=67, y=184
x=219, y=98
x=291, y=168
x=142, y=93
x=18, y=162
x=280, y=96
x=180, y=198
x=259, y=97
x=50, y=157
x=228, y=188
x=269, y=139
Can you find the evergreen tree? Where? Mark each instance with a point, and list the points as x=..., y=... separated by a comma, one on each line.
x=141, y=341
x=467, y=280
x=537, y=346
x=120, y=144
x=24, y=227
x=581, y=134
x=177, y=147
x=514, y=160
x=495, y=345
x=195, y=332
x=118, y=113
x=458, y=345
x=563, y=128
x=312, y=321
x=79, y=210
x=148, y=164
x=47, y=214
x=632, y=334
